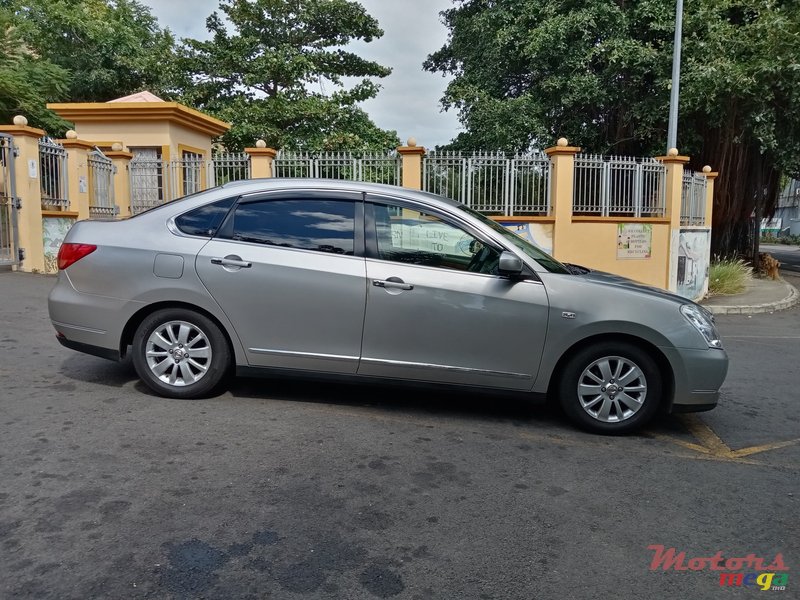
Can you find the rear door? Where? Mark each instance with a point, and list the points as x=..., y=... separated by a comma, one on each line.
x=437, y=309
x=289, y=272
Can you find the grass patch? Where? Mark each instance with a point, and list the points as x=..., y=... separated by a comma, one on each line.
x=728, y=276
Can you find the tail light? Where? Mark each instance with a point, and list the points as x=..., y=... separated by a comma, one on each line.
x=72, y=253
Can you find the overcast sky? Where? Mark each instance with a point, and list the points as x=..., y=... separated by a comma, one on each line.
x=409, y=100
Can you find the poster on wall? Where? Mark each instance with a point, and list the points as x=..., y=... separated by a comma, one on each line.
x=634, y=240
x=54, y=230
x=694, y=254
x=539, y=234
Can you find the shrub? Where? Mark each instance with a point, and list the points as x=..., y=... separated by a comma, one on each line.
x=728, y=276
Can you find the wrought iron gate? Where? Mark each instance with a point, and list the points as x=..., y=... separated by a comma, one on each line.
x=9, y=243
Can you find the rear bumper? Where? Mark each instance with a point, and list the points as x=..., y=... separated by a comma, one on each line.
x=108, y=353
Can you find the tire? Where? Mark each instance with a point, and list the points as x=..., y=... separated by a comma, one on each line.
x=179, y=353
x=591, y=395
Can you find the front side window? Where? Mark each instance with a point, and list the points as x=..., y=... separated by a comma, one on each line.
x=410, y=236
x=320, y=225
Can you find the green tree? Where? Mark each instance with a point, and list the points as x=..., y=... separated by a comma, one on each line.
x=598, y=72
x=110, y=48
x=27, y=82
x=266, y=70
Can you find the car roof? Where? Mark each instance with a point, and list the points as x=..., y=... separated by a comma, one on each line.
x=290, y=183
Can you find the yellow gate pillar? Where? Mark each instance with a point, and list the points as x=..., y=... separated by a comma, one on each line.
x=562, y=157
x=29, y=191
x=412, y=164
x=77, y=173
x=261, y=159
x=673, y=163
x=122, y=182
x=710, y=177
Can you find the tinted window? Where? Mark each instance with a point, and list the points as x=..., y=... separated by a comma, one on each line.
x=410, y=236
x=204, y=221
x=321, y=225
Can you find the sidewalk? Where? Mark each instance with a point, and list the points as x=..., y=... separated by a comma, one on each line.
x=761, y=296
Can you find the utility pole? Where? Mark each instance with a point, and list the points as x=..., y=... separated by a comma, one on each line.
x=672, y=132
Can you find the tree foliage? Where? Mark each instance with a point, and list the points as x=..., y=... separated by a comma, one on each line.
x=27, y=82
x=598, y=72
x=268, y=69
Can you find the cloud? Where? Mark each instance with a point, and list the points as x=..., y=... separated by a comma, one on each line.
x=409, y=100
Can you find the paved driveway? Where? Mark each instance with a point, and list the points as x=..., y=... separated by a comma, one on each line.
x=292, y=490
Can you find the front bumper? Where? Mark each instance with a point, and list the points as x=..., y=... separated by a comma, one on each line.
x=699, y=374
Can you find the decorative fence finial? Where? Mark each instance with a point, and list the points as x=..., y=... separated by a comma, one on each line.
x=412, y=142
x=20, y=121
x=261, y=144
x=706, y=169
x=116, y=147
x=72, y=134
x=672, y=152
x=563, y=142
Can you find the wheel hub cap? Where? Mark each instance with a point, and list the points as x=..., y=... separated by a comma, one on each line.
x=178, y=353
x=612, y=389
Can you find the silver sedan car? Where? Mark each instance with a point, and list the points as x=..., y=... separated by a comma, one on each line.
x=377, y=283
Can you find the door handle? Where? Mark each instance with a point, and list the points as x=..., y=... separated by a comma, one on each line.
x=230, y=261
x=393, y=283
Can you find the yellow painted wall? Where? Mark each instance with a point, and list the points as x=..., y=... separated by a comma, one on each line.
x=594, y=245
x=144, y=134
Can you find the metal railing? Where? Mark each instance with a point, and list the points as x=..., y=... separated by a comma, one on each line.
x=494, y=183
x=53, y=175
x=8, y=202
x=227, y=167
x=101, y=186
x=618, y=186
x=693, y=199
x=372, y=167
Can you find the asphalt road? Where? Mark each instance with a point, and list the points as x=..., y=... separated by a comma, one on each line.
x=290, y=490
x=789, y=256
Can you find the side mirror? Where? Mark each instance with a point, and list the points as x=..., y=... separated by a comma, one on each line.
x=510, y=264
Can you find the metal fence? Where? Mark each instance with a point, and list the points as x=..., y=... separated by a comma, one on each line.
x=375, y=167
x=494, y=183
x=693, y=199
x=101, y=186
x=53, y=174
x=154, y=181
x=612, y=186
x=8, y=203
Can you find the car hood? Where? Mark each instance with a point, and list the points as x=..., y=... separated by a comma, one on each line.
x=610, y=279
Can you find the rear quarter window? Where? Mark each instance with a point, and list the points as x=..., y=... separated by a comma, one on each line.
x=204, y=220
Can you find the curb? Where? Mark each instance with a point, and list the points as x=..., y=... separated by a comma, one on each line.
x=790, y=300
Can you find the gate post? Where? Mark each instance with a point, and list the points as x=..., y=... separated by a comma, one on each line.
x=261, y=159
x=673, y=163
x=562, y=156
x=77, y=173
x=122, y=183
x=29, y=216
x=710, y=177
x=412, y=164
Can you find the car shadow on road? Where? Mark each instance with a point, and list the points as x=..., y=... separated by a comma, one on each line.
x=394, y=400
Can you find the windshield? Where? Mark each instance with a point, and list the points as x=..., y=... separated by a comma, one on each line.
x=541, y=257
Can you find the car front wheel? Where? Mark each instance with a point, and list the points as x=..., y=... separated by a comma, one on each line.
x=610, y=388
x=179, y=353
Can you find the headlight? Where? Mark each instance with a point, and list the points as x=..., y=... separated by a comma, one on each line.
x=704, y=323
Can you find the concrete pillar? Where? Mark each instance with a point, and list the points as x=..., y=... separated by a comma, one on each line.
x=261, y=159
x=562, y=157
x=122, y=181
x=710, y=177
x=77, y=173
x=673, y=163
x=28, y=190
x=412, y=164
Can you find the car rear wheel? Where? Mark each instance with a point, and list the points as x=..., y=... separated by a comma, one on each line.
x=611, y=388
x=179, y=353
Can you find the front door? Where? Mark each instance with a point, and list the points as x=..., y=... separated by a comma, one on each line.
x=288, y=273
x=438, y=311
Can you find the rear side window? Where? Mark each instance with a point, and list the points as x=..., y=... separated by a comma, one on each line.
x=204, y=221
x=320, y=225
